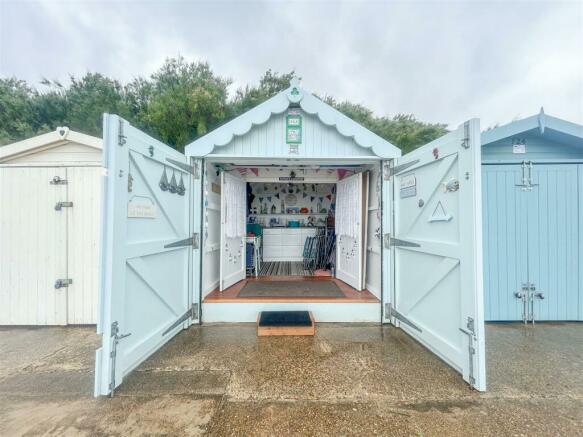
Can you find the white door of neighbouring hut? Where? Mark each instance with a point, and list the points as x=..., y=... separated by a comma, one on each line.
x=49, y=229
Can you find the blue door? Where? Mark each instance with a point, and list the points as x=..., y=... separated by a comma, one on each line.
x=531, y=242
x=505, y=241
x=553, y=236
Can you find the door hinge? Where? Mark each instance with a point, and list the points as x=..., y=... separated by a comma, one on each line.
x=394, y=170
x=190, y=241
x=63, y=283
x=58, y=181
x=390, y=241
x=191, y=313
x=121, y=138
x=466, y=138
x=392, y=312
x=61, y=205
x=192, y=169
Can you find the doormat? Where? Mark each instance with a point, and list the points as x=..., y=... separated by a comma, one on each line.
x=285, y=323
x=320, y=288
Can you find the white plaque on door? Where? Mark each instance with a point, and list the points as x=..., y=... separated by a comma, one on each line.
x=141, y=207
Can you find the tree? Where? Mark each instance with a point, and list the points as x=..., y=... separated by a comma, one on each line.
x=16, y=110
x=178, y=103
x=186, y=100
x=249, y=97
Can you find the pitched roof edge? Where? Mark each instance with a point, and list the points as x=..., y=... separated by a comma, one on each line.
x=279, y=103
x=540, y=121
x=45, y=141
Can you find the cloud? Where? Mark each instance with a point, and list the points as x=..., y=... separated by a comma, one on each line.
x=442, y=61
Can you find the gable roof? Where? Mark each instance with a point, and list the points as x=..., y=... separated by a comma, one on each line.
x=59, y=136
x=297, y=96
x=541, y=124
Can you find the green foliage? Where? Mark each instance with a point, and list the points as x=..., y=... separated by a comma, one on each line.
x=179, y=102
x=184, y=100
x=269, y=85
x=16, y=110
x=402, y=130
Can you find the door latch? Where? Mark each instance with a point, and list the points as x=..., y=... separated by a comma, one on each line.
x=60, y=283
x=527, y=294
x=116, y=337
x=58, y=181
x=61, y=205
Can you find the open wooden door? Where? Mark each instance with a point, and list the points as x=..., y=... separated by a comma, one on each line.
x=351, y=218
x=150, y=250
x=233, y=229
x=436, y=242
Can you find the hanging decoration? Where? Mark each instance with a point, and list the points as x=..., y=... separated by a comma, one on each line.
x=173, y=188
x=341, y=173
x=181, y=188
x=255, y=171
x=163, y=184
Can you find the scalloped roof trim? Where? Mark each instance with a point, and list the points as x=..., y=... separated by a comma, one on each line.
x=278, y=104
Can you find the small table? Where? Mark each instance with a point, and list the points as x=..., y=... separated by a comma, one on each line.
x=256, y=242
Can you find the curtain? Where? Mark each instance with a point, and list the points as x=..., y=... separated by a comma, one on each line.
x=235, y=193
x=348, y=207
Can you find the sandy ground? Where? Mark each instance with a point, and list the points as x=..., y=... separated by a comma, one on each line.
x=347, y=380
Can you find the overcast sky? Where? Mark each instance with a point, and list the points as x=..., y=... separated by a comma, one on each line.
x=442, y=61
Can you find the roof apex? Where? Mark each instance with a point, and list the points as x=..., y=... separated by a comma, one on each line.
x=293, y=95
x=44, y=141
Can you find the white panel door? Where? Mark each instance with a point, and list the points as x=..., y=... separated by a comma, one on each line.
x=350, y=230
x=437, y=244
x=84, y=190
x=233, y=229
x=149, y=248
x=33, y=246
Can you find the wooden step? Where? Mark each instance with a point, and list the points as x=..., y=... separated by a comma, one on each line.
x=285, y=323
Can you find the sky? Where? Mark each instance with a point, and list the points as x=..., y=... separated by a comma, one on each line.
x=441, y=61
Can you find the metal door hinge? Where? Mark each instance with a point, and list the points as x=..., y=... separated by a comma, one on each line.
x=121, y=138
x=192, y=169
x=61, y=283
x=392, y=312
x=191, y=313
x=61, y=205
x=394, y=170
x=466, y=138
x=190, y=241
x=390, y=241
x=58, y=181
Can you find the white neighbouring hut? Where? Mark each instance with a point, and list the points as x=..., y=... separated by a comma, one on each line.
x=49, y=229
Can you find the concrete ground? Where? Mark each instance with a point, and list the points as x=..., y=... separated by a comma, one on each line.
x=347, y=380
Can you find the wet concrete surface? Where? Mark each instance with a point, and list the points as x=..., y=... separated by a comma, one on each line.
x=347, y=380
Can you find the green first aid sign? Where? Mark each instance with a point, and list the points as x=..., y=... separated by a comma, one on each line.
x=293, y=129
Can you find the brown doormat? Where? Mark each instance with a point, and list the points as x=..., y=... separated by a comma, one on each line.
x=291, y=289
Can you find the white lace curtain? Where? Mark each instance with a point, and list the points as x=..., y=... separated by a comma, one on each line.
x=347, y=208
x=235, y=204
